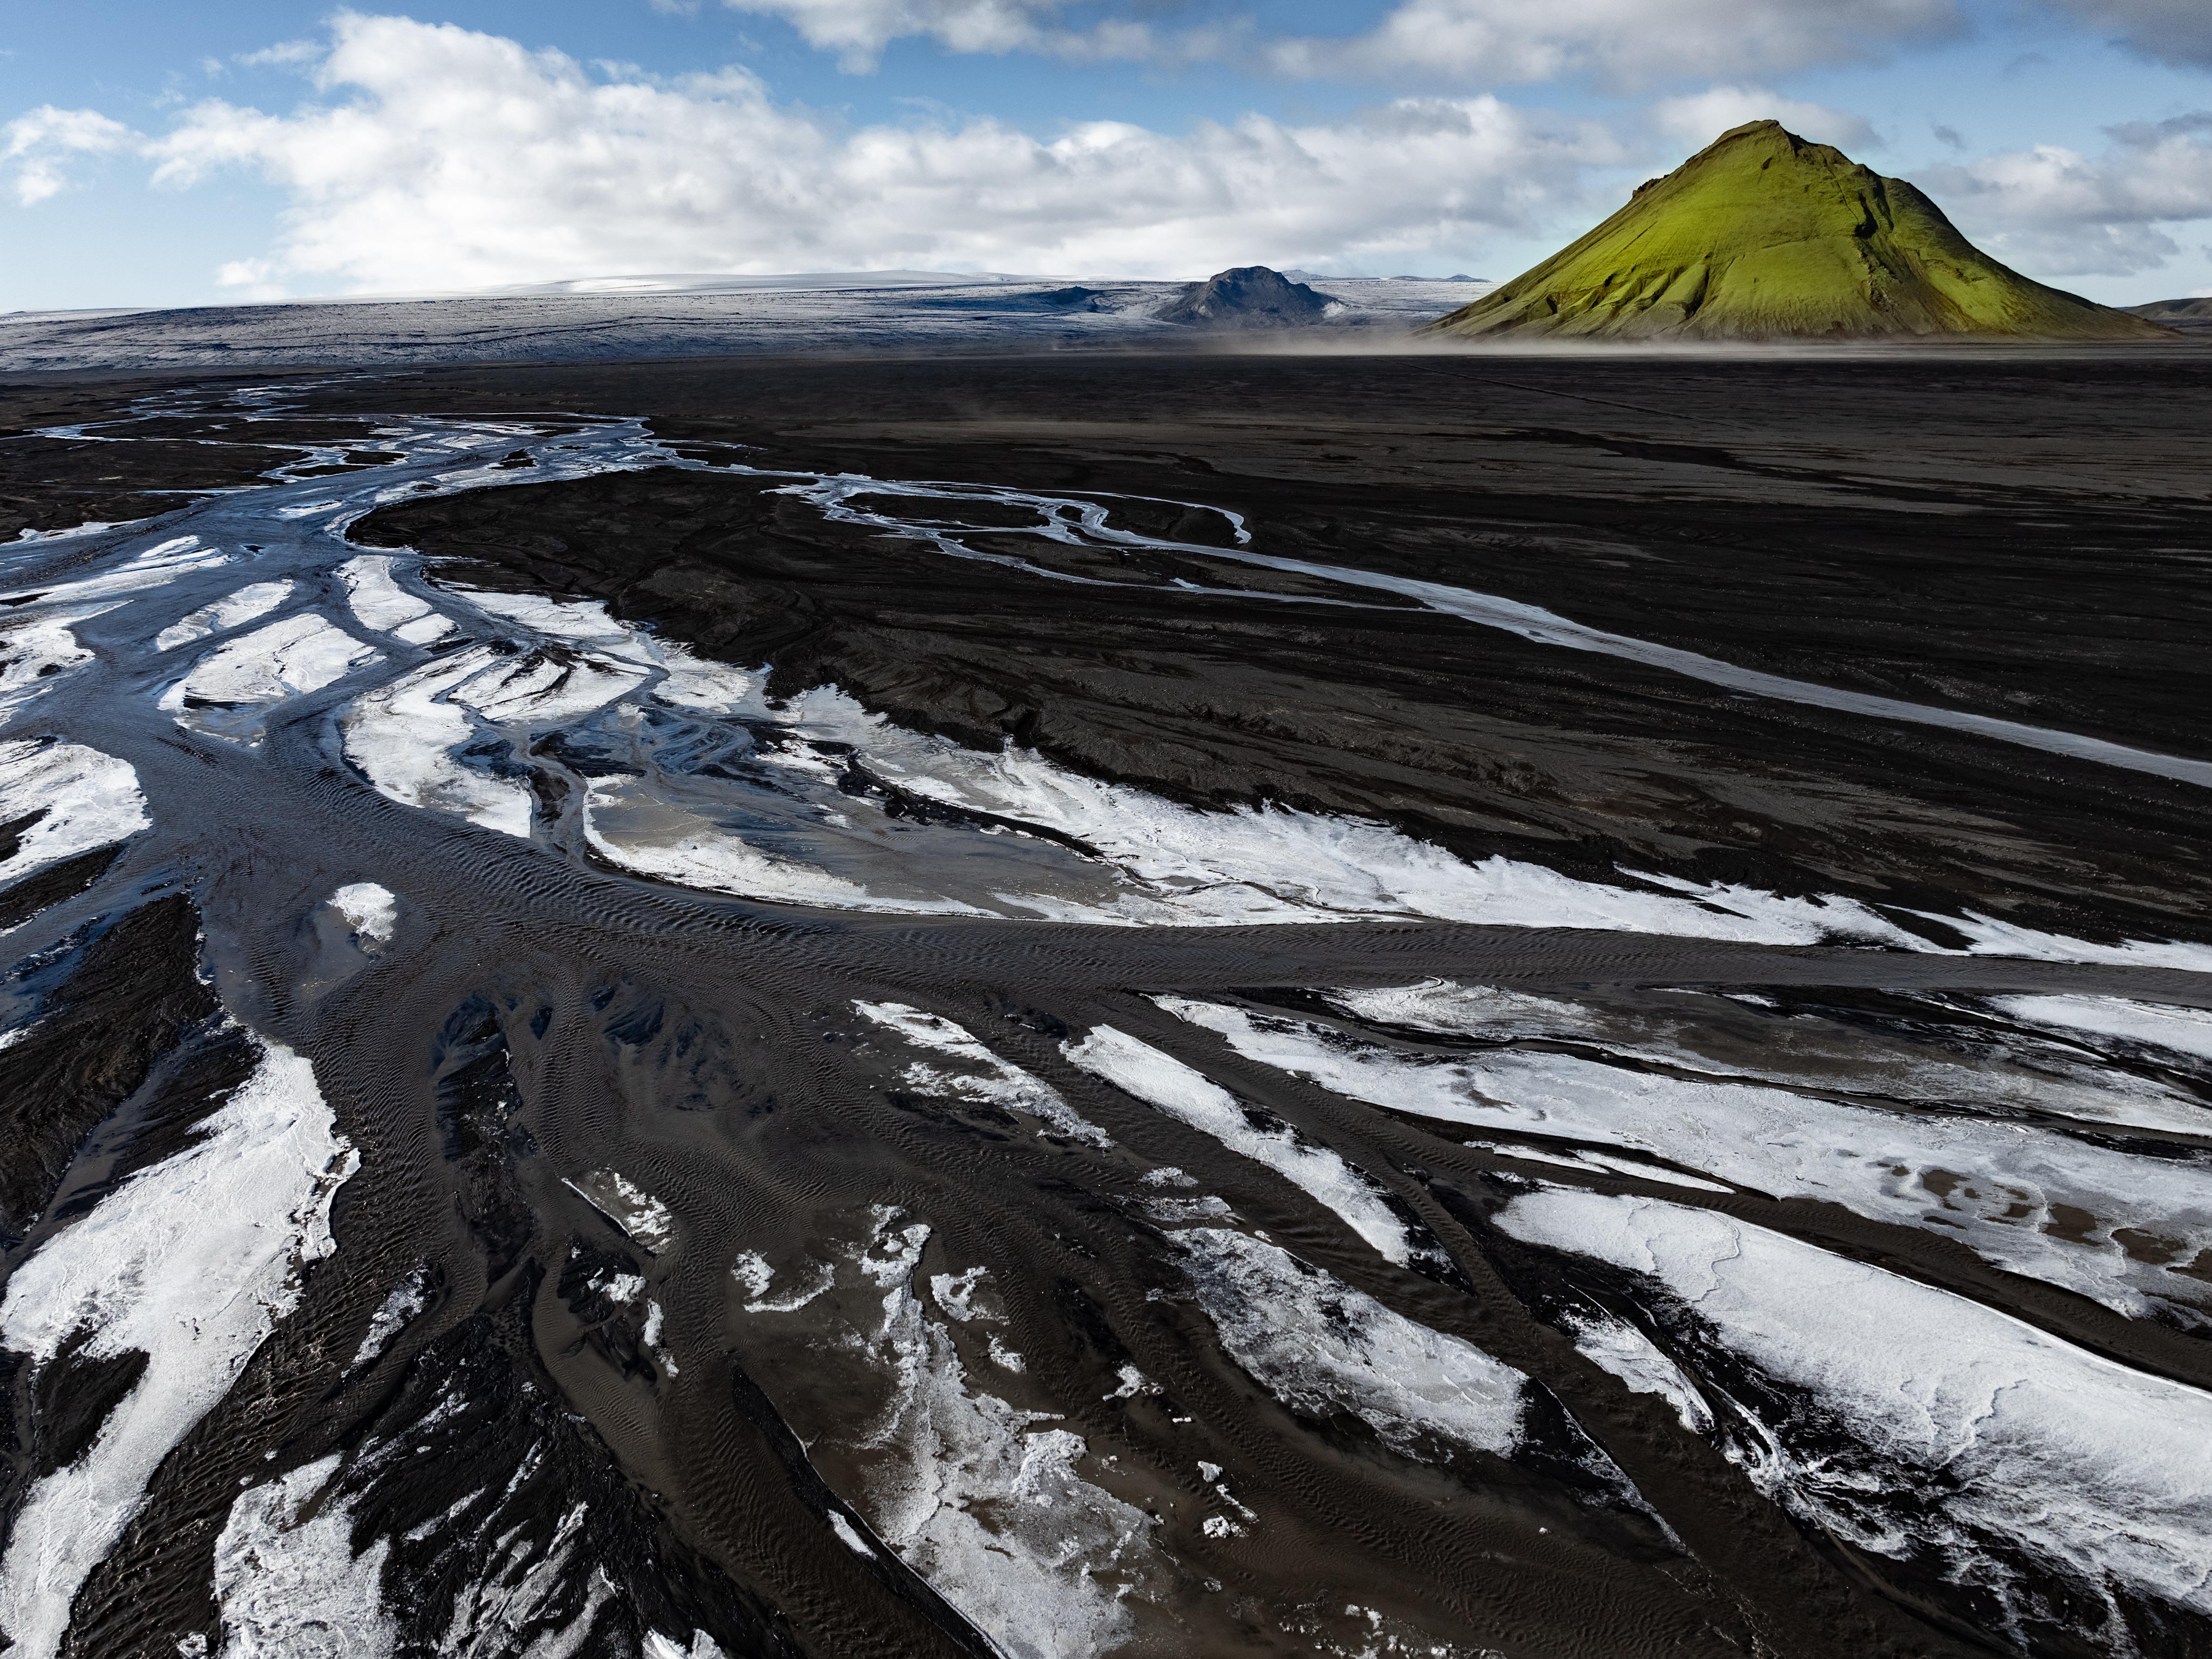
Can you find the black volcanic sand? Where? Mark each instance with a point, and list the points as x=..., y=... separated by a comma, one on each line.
x=55, y=482
x=2017, y=535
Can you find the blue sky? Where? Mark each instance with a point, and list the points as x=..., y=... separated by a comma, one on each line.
x=165, y=155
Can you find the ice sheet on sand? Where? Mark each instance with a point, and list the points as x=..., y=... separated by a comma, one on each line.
x=289, y=1584
x=1189, y=867
x=383, y=604
x=1597, y=1163
x=1447, y=1006
x=982, y=1076
x=687, y=681
x=2127, y=1230
x=233, y=610
x=2021, y=1442
x=289, y=657
x=630, y=1207
x=86, y=800
x=1321, y=1347
x=371, y=910
x=1947, y=1065
x=627, y=824
x=408, y=1298
x=1614, y=1345
x=987, y=1507
x=1166, y=1084
x=155, y=567
x=2158, y=1025
x=192, y=1261
x=701, y=1646
x=1987, y=936
x=403, y=736
x=1165, y=864
x=39, y=648
x=754, y=1274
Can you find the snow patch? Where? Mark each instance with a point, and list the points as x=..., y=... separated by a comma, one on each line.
x=191, y=1262
x=372, y=911
x=2034, y=1201
x=985, y=1077
x=1162, y=1081
x=2021, y=1442
x=1320, y=1347
x=289, y=1584
x=644, y=1218
x=982, y=1502
x=383, y=606
x=2159, y=1025
x=289, y=657
x=408, y=1298
x=233, y=610
x=87, y=800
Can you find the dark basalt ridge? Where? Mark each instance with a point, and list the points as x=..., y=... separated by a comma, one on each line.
x=1249, y=296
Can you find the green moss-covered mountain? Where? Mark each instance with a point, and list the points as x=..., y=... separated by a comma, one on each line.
x=1764, y=236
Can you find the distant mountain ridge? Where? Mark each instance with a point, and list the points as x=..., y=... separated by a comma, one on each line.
x=2193, y=315
x=1764, y=235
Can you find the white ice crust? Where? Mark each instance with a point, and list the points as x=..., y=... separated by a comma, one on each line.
x=89, y=799
x=1320, y=1347
x=191, y=1262
x=644, y=1218
x=1165, y=1083
x=1616, y=1347
x=987, y=1507
x=254, y=600
x=290, y=1585
x=1978, y=1066
x=2157, y=1025
x=408, y=1297
x=371, y=910
x=2019, y=1439
x=403, y=735
x=982, y=1076
x=383, y=606
x=289, y=657
x=2004, y=1188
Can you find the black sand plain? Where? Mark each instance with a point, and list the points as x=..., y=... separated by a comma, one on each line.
x=2018, y=534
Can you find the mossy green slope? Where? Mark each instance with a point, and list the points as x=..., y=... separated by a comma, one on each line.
x=1764, y=236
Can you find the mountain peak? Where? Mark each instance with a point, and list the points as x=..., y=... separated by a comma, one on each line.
x=1764, y=235
x=1249, y=296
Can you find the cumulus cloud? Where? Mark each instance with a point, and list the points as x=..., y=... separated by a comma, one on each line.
x=2061, y=213
x=38, y=143
x=1431, y=42
x=2168, y=31
x=1619, y=42
x=438, y=157
x=858, y=30
x=1702, y=117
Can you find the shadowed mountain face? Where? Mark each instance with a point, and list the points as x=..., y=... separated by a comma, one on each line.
x=1250, y=296
x=1764, y=236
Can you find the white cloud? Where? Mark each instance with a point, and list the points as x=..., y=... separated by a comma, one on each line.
x=2168, y=31
x=1701, y=118
x=1431, y=42
x=858, y=30
x=438, y=157
x=2060, y=213
x=38, y=142
x=1619, y=42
